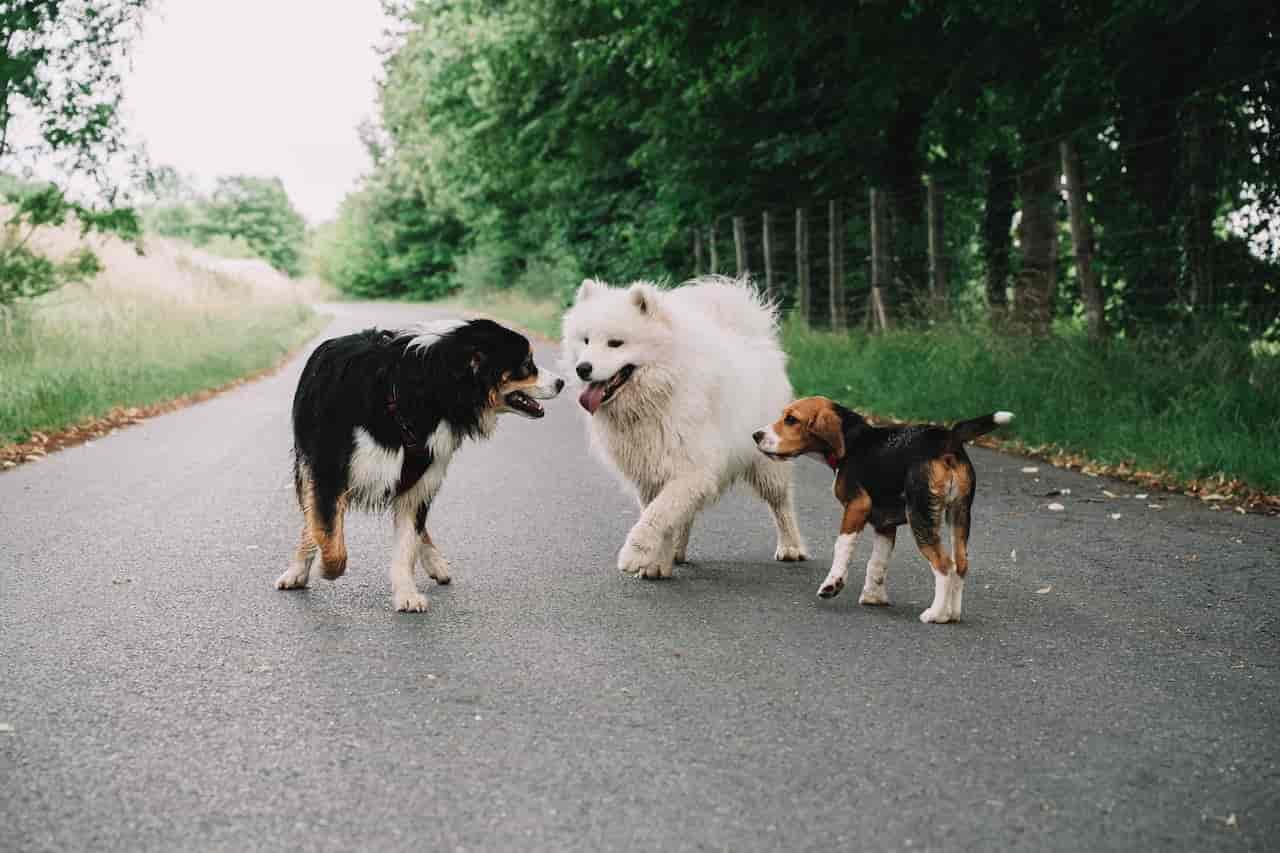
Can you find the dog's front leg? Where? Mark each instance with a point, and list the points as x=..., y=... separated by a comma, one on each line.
x=650, y=546
x=430, y=559
x=404, y=592
x=855, y=518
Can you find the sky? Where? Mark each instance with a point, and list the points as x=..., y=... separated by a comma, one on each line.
x=259, y=87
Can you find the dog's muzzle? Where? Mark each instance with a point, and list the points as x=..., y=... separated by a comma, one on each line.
x=525, y=400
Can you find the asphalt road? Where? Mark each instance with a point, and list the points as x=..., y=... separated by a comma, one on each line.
x=1113, y=687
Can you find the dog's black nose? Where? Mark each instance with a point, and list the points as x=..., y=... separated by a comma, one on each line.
x=757, y=435
x=584, y=370
x=559, y=385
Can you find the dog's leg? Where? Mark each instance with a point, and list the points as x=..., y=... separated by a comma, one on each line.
x=404, y=592
x=324, y=510
x=958, y=514
x=299, y=571
x=680, y=546
x=772, y=481
x=648, y=551
x=433, y=563
x=874, y=588
x=851, y=524
x=944, y=577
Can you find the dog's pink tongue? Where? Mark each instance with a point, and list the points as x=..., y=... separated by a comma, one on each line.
x=592, y=396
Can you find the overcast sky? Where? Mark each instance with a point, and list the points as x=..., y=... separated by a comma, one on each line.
x=260, y=87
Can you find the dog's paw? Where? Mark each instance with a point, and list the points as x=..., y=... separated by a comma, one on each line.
x=291, y=580
x=873, y=596
x=634, y=559
x=938, y=615
x=680, y=558
x=830, y=588
x=410, y=602
x=790, y=553
x=436, y=567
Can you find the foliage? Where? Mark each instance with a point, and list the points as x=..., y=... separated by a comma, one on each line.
x=60, y=91
x=243, y=213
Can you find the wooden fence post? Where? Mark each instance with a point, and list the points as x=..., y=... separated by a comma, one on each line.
x=697, y=251
x=802, y=264
x=1082, y=242
x=715, y=255
x=879, y=314
x=835, y=256
x=767, y=239
x=740, y=244
x=937, y=270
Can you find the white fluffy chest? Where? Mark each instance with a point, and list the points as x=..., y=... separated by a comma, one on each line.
x=374, y=471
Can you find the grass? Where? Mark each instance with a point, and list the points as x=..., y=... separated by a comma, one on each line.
x=1191, y=409
x=513, y=306
x=147, y=330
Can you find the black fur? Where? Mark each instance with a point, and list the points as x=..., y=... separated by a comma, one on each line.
x=377, y=380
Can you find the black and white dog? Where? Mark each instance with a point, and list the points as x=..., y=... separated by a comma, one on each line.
x=376, y=418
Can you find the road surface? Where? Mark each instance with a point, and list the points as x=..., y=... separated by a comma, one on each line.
x=1112, y=687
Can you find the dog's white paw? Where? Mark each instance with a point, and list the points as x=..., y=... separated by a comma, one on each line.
x=830, y=587
x=790, y=553
x=643, y=562
x=410, y=602
x=291, y=580
x=873, y=596
x=436, y=567
x=938, y=615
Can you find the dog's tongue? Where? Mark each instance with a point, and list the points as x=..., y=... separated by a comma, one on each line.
x=592, y=396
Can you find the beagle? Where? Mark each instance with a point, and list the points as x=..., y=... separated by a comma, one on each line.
x=887, y=476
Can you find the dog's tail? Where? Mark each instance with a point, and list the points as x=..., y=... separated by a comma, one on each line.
x=734, y=303
x=971, y=429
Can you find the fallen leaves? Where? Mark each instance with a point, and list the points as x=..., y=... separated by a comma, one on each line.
x=1056, y=507
x=1045, y=590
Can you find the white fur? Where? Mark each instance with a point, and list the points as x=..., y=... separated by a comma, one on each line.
x=948, y=590
x=1003, y=418
x=875, y=589
x=709, y=370
x=835, y=579
x=426, y=334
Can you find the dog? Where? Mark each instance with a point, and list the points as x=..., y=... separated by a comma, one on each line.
x=378, y=415
x=674, y=381
x=888, y=476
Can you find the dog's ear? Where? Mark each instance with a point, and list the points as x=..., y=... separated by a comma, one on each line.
x=589, y=287
x=828, y=427
x=647, y=298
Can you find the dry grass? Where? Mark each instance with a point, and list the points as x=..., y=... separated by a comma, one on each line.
x=149, y=328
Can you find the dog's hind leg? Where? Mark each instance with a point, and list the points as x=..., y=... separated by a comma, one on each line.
x=925, y=510
x=404, y=553
x=958, y=514
x=772, y=481
x=299, y=571
x=433, y=563
x=323, y=510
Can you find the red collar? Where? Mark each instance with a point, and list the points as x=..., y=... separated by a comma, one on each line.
x=833, y=462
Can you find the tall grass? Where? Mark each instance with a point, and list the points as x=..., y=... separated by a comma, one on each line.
x=1194, y=406
x=148, y=329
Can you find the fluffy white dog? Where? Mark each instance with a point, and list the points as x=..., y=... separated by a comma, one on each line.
x=676, y=382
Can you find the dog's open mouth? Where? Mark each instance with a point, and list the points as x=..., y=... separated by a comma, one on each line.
x=522, y=403
x=598, y=393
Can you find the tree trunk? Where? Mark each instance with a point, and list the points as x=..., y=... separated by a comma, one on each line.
x=766, y=239
x=835, y=246
x=740, y=244
x=715, y=254
x=802, y=264
x=697, y=251
x=1082, y=241
x=1203, y=155
x=906, y=236
x=937, y=262
x=1038, y=234
x=997, y=219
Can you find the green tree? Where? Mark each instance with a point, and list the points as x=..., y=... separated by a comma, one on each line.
x=60, y=81
x=258, y=212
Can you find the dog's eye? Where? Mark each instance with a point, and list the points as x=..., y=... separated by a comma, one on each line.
x=615, y=343
x=790, y=420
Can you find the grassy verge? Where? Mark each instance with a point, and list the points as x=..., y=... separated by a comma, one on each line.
x=147, y=330
x=512, y=306
x=1193, y=411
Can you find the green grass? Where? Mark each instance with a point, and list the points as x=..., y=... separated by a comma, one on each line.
x=1192, y=407
x=513, y=306
x=79, y=354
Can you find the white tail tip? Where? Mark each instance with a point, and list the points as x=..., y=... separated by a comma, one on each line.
x=1002, y=418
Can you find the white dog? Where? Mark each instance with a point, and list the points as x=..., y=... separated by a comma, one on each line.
x=677, y=381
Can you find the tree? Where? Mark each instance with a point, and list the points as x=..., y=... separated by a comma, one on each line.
x=60, y=80
x=257, y=211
